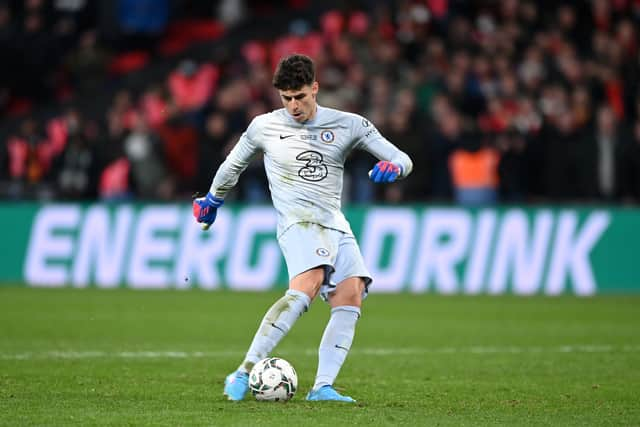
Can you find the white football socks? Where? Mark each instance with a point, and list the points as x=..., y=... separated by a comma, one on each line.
x=275, y=325
x=335, y=344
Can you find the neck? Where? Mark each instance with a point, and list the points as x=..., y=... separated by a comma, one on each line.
x=313, y=112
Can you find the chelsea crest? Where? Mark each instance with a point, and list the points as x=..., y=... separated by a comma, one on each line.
x=327, y=136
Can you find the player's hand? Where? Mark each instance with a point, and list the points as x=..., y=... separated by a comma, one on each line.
x=205, y=209
x=384, y=171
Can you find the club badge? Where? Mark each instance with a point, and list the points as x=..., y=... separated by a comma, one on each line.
x=322, y=252
x=327, y=136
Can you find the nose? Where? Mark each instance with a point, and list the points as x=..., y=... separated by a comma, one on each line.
x=293, y=104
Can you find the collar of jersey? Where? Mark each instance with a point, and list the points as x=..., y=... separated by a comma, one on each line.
x=308, y=122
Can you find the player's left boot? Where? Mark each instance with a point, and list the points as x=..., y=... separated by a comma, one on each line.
x=326, y=392
x=236, y=385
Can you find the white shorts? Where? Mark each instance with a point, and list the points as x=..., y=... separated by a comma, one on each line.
x=307, y=245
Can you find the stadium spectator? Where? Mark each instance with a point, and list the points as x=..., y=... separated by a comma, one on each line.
x=474, y=172
x=87, y=64
x=154, y=105
x=114, y=181
x=76, y=166
x=446, y=138
x=149, y=176
x=28, y=159
x=513, y=166
x=179, y=149
x=192, y=85
x=606, y=147
x=215, y=136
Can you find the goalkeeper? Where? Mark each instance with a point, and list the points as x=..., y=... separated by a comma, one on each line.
x=305, y=147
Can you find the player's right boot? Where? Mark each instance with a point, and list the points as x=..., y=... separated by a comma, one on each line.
x=236, y=385
x=326, y=392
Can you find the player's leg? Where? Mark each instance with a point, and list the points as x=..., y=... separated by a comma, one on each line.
x=310, y=281
x=309, y=253
x=345, y=301
x=338, y=335
x=307, y=269
x=283, y=314
x=275, y=324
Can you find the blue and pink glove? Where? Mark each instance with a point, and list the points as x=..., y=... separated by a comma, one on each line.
x=205, y=209
x=384, y=171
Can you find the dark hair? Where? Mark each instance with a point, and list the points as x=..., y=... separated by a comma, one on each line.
x=293, y=72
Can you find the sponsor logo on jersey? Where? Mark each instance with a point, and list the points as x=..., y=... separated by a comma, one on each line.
x=285, y=136
x=314, y=170
x=327, y=136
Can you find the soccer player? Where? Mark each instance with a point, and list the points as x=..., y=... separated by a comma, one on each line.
x=305, y=147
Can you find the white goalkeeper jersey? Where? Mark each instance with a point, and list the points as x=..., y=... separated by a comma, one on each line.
x=304, y=162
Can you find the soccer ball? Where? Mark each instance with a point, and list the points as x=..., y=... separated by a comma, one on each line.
x=273, y=379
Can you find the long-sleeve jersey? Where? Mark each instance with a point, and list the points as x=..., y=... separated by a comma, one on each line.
x=304, y=162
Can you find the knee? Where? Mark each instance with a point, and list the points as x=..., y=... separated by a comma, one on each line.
x=309, y=282
x=348, y=292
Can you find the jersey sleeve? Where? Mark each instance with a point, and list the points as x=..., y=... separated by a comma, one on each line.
x=368, y=138
x=236, y=162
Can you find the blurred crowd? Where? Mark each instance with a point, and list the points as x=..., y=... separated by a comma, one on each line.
x=512, y=101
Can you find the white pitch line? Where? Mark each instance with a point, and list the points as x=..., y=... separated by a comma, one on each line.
x=379, y=352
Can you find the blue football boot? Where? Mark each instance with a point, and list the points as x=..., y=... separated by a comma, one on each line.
x=236, y=385
x=327, y=392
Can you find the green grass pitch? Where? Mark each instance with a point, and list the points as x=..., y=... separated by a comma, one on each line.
x=122, y=357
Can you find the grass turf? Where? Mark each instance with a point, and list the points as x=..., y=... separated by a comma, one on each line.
x=121, y=357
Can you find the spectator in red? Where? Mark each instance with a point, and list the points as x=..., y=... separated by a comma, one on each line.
x=114, y=181
x=154, y=106
x=191, y=85
x=29, y=154
x=179, y=141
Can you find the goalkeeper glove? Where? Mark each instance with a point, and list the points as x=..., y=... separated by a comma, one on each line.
x=205, y=209
x=384, y=171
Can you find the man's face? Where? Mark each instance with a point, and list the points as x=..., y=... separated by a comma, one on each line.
x=300, y=103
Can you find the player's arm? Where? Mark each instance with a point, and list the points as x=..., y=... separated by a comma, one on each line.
x=205, y=208
x=236, y=162
x=394, y=164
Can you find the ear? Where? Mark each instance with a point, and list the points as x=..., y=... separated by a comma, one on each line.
x=314, y=89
